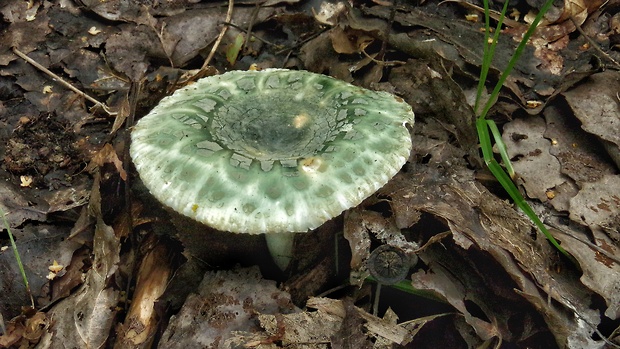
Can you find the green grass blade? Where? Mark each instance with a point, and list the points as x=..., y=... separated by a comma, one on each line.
x=516, y=56
x=508, y=185
x=16, y=253
x=405, y=286
x=487, y=57
x=501, y=147
x=485, y=140
x=483, y=126
x=489, y=49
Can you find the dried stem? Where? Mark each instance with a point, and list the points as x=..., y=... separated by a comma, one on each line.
x=63, y=82
x=205, y=65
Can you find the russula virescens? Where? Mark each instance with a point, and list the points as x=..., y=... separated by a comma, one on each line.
x=274, y=151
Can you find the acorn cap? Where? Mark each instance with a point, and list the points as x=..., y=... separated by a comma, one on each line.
x=270, y=151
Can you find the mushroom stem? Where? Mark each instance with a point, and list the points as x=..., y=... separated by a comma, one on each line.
x=281, y=248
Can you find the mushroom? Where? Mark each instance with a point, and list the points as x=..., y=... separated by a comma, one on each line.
x=274, y=151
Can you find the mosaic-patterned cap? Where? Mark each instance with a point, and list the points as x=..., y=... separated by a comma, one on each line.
x=270, y=151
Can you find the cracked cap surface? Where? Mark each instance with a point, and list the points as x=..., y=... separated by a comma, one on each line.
x=270, y=151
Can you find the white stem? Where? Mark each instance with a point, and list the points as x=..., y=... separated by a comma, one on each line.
x=281, y=248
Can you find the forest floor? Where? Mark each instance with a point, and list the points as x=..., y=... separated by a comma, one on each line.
x=108, y=266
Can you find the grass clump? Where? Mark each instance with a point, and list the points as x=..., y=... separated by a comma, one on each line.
x=486, y=128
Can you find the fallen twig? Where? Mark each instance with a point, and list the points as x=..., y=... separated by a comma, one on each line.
x=63, y=82
x=205, y=65
x=593, y=44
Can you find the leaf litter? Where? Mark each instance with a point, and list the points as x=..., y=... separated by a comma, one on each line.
x=502, y=282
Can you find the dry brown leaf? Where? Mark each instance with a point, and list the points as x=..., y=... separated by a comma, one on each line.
x=595, y=104
x=312, y=328
x=479, y=221
x=374, y=325
x=84, y=319
x=107, y=154
x=74, y=275
x=597, y=205
x=534, y=165
x=576, y=9
x=600, y=261
x=351, y=332
x=141, y=322
x=579, y=154
x=66, y=199
x=227, y=301
x=349, y=41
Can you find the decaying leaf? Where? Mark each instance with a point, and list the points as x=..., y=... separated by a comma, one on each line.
x=328, y=12
x=226, y=301
x=66, y=199
x=600, y=260
x=375, y=326
x=595, y=104
x=330, y=324
x=107, y=154
x=580, y=157
x=73, y=276
x=351, y=332
x=86, y=316
x=38, y=245
x=24, y=331
x=532, y=161
x=313, y=328
x=497, y=277
x=597, y=205
x=28, y=27
x=141, y=322
x=481, y=222
x=349, y=41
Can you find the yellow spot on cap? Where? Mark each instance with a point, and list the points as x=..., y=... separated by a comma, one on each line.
x=301, y=120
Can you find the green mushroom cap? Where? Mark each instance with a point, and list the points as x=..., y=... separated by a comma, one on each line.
x=270, y=151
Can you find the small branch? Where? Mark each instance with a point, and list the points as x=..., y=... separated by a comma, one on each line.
x=594, y=45
x=252, y=20
x=63, y=82
x=382, y=62
x=205, y=65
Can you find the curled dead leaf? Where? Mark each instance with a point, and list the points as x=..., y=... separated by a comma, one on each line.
x=107, y=154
